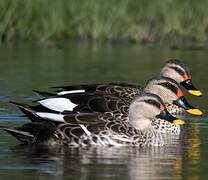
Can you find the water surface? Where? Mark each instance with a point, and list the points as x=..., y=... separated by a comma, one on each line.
x=28, y=66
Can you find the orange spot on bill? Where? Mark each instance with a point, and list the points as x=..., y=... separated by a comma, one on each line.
x=162, y=108
x=180, y=93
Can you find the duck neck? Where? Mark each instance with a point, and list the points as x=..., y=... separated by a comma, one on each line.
x=139, y=122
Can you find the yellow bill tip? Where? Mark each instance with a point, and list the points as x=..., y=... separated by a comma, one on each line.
x=194, y=112
x=195, y=92
x=178, y=122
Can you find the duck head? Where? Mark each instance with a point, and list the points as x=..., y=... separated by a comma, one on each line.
x=146, y=107
x=171, y=93
x=177, y=70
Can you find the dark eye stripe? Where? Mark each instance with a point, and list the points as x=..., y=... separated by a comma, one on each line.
x=169, y=86
x=152, y=102
x=178, y=70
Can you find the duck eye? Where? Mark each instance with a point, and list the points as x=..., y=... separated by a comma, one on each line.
x=167, y=84
x=153, y=102
x=150, y=101
x=177, y=69
x=170, y=86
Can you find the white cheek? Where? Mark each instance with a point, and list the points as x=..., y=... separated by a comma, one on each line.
x=58, y=104
x=170, y=73
x=165, y=94
x=168, y=96
x=177, y=77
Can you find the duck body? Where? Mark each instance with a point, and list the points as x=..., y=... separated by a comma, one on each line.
x=105, y=98
x=142, y=126
x=101, y=133
x=110, y=132
x=123, y=90
x=110, y=107
x=126, y=92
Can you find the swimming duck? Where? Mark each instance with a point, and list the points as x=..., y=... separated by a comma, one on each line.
x=172, y=68
x=167, y=89
x=147, y=120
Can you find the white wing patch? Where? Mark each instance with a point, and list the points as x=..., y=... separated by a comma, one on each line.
x=51, y=116
x=70, y=92
x=58, y=104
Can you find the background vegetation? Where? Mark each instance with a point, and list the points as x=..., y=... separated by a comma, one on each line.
x=142, y=21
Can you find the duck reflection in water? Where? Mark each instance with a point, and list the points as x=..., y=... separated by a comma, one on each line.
x=102, y=162
x=117, y=162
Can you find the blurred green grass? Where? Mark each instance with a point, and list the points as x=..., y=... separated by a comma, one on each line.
x=132, y=20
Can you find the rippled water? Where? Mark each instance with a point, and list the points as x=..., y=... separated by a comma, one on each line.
x=28, y=66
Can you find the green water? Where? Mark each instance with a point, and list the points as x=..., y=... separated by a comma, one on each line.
x=28, y=66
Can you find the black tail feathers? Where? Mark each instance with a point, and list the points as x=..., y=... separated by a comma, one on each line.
x=22, y=136
x=28, y=111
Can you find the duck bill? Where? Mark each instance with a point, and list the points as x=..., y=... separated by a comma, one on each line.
x=167, y=116
x=183, y=103
x=195, y=92
x=187, y=84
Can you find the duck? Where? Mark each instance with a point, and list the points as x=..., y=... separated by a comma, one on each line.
x=94, y=100
x=172, y=68
x=178, y=71
x=147, y=120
